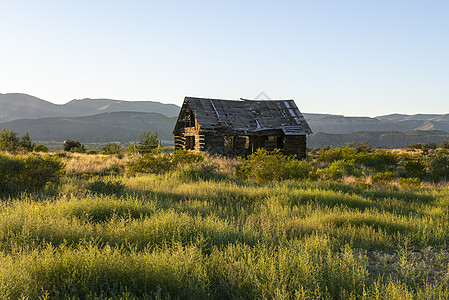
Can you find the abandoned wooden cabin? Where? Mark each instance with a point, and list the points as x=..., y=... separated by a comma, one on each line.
x=240, y=127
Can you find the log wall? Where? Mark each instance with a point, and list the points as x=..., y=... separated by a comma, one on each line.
x=295, y=145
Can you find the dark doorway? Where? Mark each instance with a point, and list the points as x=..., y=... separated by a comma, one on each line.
x=190, y=143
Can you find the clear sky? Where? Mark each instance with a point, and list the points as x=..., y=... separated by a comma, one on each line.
x=356, y=57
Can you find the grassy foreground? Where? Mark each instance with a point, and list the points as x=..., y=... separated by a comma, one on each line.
x=161, y=237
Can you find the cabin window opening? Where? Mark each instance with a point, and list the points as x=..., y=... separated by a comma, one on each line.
x=191, y=119
x=190, y=143
x=229, y=141
x=247, y=144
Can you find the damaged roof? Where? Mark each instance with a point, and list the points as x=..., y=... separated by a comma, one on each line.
x=246, y=116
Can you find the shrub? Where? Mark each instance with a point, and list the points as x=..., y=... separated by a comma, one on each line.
x=363, y=147
x=31, y=172
x=112, y=148
x=332, y=154
x=42, y=170
x=183, y=157
x=439, y=168
x=300, y=170
x=92, y=152
x=149, y=163
x=11, y=169
x=340, y=168
x=419, y=146
x=147, y=143
x=74, y=146
x=264, y=165
x=8, y=141
x=431, y=146
x=40, y=148
x=444, y=145
x=106, y=186
x=26, y=143
x=159, y=163
x=383, y=178
x=415, y=168
x=410, y=183
x=361, y=182
x=382, y=160
x=203, y=171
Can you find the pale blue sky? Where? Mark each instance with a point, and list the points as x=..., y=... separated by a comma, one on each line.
x=344, y=57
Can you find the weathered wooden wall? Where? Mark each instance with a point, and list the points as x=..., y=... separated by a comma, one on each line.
x=239, y=145
x=295, y=145
x=213, y=141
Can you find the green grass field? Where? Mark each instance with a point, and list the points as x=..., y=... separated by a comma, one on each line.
x=199, y=230
x=161, y=237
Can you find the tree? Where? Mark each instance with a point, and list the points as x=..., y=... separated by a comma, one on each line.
x=40, y=148
x=8, y=141
x=148, y=142
x=74, y=146
x=26, y=143
x=112, y=148
x=445, y=145
x=439, y=168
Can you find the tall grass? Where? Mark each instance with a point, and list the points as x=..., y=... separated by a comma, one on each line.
x=162, y=236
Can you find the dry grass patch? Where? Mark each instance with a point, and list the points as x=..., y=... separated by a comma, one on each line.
x=79, y=164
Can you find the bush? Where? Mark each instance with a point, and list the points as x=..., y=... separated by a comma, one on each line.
x=40, y=148
x=201, y=171
x=8, y=141
x=147, y=143
x=184, y=157
x=74, y=146
x=31, y=172
x=415, y=168
x=439, y=168
x=10, y=169
x=300, y=170
x=383, y=178
x=340, y=168
x=112, y=148
x=149, y=163
x=444, y=145
x=264, y=165
x=332, y=154
x=410, y=183
x=106, y=186
x=159, y=163
x=382, y=161
x=432, y=146
x=26, y=143
x=419, y=146
x=42, y=170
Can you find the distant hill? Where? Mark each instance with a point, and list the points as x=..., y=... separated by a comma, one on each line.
x=105, y=120
x=384, y=139
x=121, y=127
x=394, y=130
x=95, y=106
x=396, y=122
x=21, y=106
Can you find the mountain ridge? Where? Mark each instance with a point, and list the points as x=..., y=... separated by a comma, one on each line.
x=48, y=121
x=16, y=106
x=124, y=127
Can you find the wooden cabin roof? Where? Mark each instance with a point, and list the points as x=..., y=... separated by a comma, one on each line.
x=245, y=116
